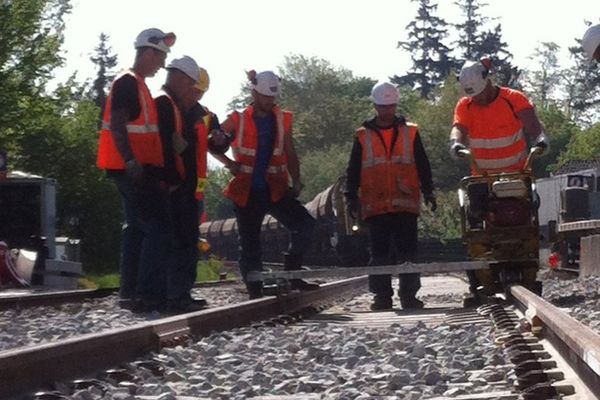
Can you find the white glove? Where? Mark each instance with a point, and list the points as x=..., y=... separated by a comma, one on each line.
x=543, y=142
x=455, y=147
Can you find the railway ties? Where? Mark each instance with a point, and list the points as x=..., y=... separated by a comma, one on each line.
x=389, y=351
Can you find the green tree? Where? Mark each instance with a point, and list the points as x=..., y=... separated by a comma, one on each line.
x=215, y=205
x=322, y=168
x=585, y=90
x=435, y=122
x=105, y=62
x=562, y=131
x=429, y=55
x=32, y=33
x=475, y=42
x=544, y=82
x=328, y=102
x=583, y=146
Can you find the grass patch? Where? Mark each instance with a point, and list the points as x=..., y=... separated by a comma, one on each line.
x=207, y=270
x=210, y=270
x=108, y=281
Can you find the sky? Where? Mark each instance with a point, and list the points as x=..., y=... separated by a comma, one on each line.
x=229, y=37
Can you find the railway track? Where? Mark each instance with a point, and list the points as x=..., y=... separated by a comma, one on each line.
x=552, y=354
x=21, y=298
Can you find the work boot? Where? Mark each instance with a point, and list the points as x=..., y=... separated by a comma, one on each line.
x=300, y=284
x=411, y=303
x=472, y=302
x=293, y=263
x=381, y=303
x=185, y=305
x=255, y=289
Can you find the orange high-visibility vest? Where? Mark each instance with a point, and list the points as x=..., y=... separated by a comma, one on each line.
x=496, y=136
x=202, y=129
x=389, y=181
x=143, y=134
x=244, y=148
x=178, y=132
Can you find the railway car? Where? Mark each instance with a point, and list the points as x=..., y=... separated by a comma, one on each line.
x=569, y=210
x=334, y=241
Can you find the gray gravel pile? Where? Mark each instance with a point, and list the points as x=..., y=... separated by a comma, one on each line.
x=35, y=325
x=580, y=297
x=318, y=360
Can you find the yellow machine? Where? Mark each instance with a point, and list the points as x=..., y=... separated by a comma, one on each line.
x=500, y=224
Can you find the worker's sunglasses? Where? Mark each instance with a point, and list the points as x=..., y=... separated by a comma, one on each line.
x=167, y=40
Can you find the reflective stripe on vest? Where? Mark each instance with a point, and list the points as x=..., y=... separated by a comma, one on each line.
x=389, y=179
x=177, y=134
x=202, y=129
x=405, y=157
x=244, y=149
x=501, y=163
x=143, y=133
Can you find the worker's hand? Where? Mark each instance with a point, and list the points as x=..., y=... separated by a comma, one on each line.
x=233, y=167
x=543, y=142
x=455, y=148
x=431, y=201
x=352, y=208
x=296, y=189
x=218, y=141
x=134, y=171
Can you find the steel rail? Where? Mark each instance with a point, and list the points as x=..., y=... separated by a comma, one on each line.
x=27, y=369
x=577, y=343
x=405, y=268
x=25, y=298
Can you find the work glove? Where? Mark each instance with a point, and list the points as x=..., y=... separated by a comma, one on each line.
x=352, y=207
x=431, y=201
x=455, y=148
x=543, y=142
x=218, y=141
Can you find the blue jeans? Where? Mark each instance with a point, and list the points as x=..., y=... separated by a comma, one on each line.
x=144, y=241
x=289, y=211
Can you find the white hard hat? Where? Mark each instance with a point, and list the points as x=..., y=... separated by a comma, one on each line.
x=591, y=41
x=473, y=77
x=156, y=39
x=187, y=65
x=384, y=94
x=267, y=83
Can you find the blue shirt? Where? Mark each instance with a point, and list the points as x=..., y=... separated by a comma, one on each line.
x=265, y=128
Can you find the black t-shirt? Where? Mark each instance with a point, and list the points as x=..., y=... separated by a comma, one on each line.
x=125, y=96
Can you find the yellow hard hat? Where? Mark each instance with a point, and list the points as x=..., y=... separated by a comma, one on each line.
x=203, y=245
x=203, y=80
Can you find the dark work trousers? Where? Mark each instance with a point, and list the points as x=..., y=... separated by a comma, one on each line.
x=143, y=244
x=399, y=229
x=288, y=211
x=184, y=254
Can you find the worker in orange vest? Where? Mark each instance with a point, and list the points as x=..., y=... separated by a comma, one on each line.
x=388, y=166
x=181, y=120
x=496, y=123
x=264, y=158
x=591, y=42
x=130, y=151
x=210, y=136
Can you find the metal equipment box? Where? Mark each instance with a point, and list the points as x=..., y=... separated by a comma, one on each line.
x=28, y=209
